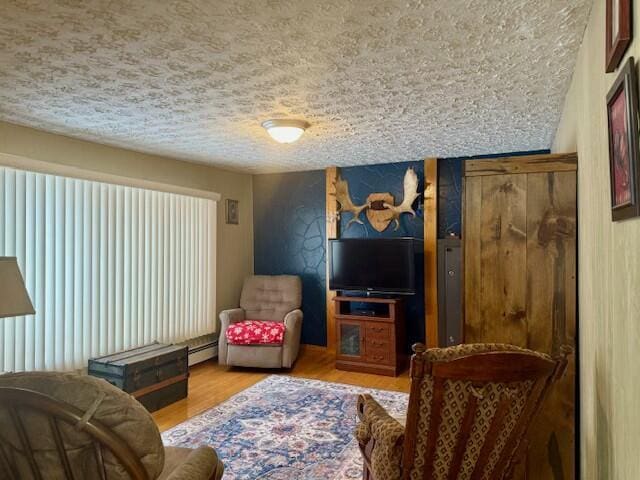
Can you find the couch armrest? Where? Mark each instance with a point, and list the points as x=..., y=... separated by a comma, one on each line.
x=201, y=464
x=233, y=315
x=381, y=435
x=292, y=333
x=227, y=317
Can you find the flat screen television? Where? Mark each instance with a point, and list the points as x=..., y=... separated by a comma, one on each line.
x=380, y=265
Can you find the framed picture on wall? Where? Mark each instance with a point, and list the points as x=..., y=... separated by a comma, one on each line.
x=622, y=113
x=618, y=32
x=231, y=211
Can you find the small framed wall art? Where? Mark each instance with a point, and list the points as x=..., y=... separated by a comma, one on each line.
x=622, y=113
x=231, y=211
x=618, y=31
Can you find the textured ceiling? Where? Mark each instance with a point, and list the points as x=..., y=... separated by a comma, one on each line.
x=379, y=80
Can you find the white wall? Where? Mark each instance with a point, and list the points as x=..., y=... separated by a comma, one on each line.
x=235, y=242
x=608, y=273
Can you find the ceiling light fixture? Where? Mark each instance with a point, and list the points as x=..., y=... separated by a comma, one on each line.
x=285, y=131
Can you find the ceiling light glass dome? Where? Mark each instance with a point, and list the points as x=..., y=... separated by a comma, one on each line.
x=285, y=131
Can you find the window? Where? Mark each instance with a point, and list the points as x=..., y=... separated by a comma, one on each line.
x=108, y=267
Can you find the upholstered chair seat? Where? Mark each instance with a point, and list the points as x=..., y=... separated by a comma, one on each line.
x=264, y=298
x=69, y=426
x=470, y=408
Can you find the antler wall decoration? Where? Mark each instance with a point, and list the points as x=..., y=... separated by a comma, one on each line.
x=389, y=211
x=410, y=195
x=345, y=204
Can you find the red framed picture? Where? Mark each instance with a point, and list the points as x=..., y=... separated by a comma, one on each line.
x=619, y=32
x=622, y=112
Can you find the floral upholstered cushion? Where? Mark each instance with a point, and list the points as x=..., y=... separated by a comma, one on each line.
x=256, y=332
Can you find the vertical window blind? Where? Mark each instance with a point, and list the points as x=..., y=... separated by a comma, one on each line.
x=108, y=267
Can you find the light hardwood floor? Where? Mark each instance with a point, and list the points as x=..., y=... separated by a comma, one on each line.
x=211, y=384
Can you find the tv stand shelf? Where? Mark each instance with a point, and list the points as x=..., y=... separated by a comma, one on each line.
x=372, y=318
x=370, y=339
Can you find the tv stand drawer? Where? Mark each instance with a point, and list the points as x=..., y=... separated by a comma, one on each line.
x=379, y=355
x=378, y=331
x=377, y=344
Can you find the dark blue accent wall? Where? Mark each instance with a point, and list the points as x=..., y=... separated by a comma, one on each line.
x=381, y=179
x=289, y=238
x=450, y=174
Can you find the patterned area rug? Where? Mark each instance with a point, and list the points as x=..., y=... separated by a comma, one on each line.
x=285, y=428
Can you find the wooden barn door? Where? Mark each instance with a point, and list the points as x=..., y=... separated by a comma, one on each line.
x=520, y=280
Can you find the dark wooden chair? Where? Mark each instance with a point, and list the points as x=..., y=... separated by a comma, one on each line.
x=107, y=434
x=469, y=411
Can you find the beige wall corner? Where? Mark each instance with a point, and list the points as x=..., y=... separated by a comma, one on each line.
x=235, y=242
x=608, y=270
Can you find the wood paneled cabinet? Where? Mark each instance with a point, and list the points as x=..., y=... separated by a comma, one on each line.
x=370, y=335
x=519, y=243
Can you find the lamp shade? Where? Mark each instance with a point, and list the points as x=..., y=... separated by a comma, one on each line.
x=14, y=299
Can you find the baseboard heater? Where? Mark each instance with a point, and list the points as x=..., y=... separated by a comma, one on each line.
x=202, y=348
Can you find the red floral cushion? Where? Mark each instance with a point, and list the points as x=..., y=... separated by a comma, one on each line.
x=256, y=332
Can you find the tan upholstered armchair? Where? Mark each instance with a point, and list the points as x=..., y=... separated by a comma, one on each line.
x=470, y=407
x=264, y=297
x=68, y=426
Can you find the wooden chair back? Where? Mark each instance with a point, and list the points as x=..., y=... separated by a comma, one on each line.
x=20, y=403
x=470, y=409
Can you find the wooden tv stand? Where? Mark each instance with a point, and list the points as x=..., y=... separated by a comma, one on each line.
x=370, y=335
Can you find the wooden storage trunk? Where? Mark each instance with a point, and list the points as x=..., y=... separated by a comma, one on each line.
x=156, y=374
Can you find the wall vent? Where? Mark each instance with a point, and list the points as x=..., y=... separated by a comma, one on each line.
x=202, y=348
